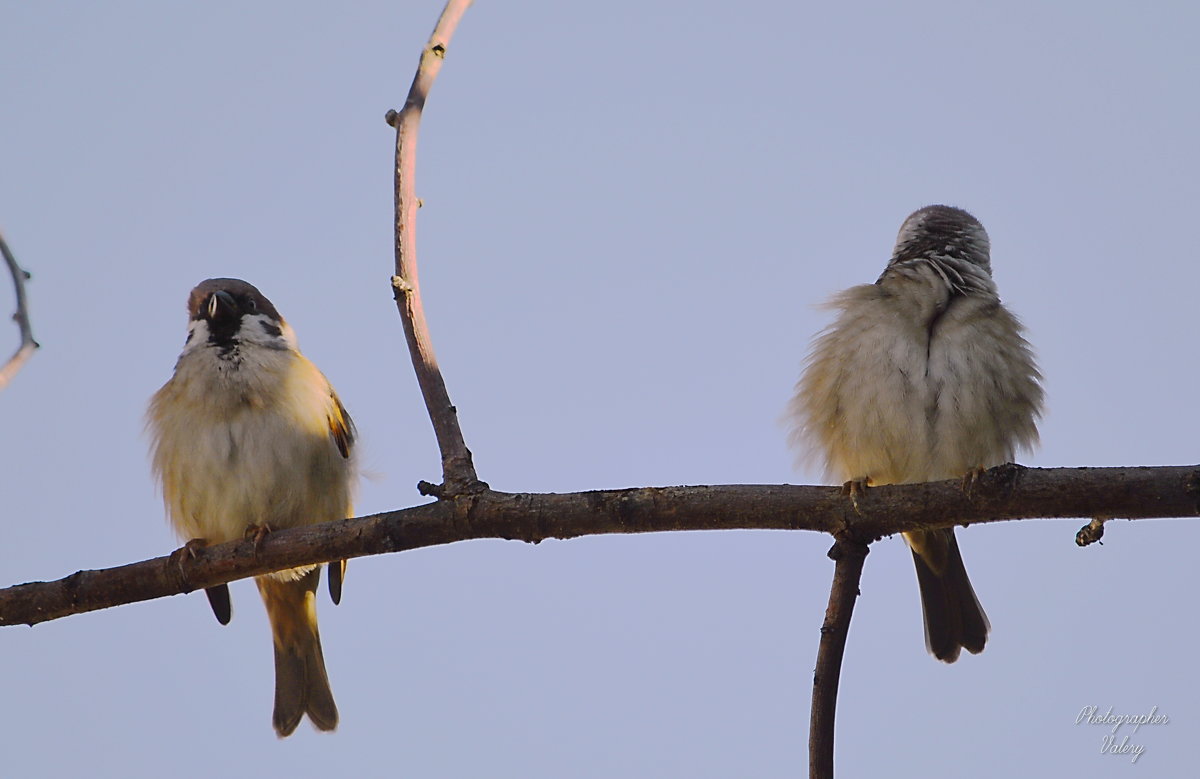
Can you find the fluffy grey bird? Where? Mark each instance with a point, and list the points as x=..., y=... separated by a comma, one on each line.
x=923, y=376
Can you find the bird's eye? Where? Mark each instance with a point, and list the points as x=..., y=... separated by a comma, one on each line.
x=251, y=304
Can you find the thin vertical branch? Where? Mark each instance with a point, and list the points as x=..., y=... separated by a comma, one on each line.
x=458, y=471
x=848, y=557
x=28, y=345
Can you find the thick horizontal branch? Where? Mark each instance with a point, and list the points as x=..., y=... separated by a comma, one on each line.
x=1003, y=493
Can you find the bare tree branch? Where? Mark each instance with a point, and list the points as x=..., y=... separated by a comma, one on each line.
x=28, y=345
x=848, y=555
x=1003, y=493
x=458, y=470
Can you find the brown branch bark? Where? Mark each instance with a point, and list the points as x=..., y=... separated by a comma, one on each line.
x=458, y=470
x=848, y=555
x=28, y=345
x=1003, y=493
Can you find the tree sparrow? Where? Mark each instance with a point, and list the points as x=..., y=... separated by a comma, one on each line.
x=248, y=436
x=923, y=376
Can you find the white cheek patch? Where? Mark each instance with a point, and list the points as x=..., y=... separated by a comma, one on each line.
x=255, y=329
x=262, y=330
x=197, y=337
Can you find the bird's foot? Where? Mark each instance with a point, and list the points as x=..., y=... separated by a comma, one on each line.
x=853, y=489
x=258, y=534
x=185, y=554
x=971, y=478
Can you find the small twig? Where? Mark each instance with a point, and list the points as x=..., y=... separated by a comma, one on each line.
x=848, y=556
x=458, y=470
x=28, y=345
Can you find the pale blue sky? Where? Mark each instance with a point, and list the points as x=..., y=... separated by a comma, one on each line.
x=631, y=210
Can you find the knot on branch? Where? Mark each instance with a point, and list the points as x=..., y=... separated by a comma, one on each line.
x=1091, y=532
x=401, y=286
x=391, y=116
x=1001, y=481
x=451, y=488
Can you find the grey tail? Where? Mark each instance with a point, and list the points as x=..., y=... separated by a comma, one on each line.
x=954, y=619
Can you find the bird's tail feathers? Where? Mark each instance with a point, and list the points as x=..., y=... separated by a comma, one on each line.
x=301, y=683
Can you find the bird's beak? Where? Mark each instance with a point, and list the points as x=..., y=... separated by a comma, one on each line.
x=221, y=305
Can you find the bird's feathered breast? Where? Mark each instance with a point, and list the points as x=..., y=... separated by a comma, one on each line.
x=242, y=436
x=923, y=375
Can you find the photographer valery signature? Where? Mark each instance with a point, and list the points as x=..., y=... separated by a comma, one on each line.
x=1109, y=745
